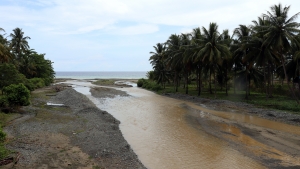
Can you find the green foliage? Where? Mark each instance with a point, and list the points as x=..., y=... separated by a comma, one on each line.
x=43, y=68
x=10, y=75
x=150, y=75
x=17, y=95
x=140, y=82
x=3, y=151
x=104, y=82
x=2, y=136
x=149, y=84
x=34, y=83
x=3, y=101
x=38, y=82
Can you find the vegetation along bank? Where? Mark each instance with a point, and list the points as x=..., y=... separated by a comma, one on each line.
x=257, y=64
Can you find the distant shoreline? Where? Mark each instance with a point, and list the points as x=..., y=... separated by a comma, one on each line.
x=96, y=75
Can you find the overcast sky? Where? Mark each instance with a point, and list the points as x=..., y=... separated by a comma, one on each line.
x=117, y=35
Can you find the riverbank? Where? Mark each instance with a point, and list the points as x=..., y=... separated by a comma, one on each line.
x=76, y=135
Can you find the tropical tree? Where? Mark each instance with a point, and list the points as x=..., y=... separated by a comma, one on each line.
x=261, y=54
x=18, y=43
x=158, y=62
x=243, y=34
x=214, y=50
x=281, y=32
x=197, y=45
x=5, y=55
x=173, y=59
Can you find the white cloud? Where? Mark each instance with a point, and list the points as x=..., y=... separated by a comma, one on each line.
x=134, y=30
x=115, y=29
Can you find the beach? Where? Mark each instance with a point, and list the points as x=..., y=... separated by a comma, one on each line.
x=80, y=135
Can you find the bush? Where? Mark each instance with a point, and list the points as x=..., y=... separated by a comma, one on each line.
x=17, y=95
x=37, y=82
x=2, y=136
x=10, y=75
x=3, y=101
x=140, y=82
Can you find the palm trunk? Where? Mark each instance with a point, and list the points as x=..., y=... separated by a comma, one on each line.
x=249, y=84
x=298, y=77
x=265, y=82
x=200, y=80
x=287, y=80
x=246, y=97
x=210, y=82
x=234, y=80
x=187, y=81
x=215, y=84
x=226, y=82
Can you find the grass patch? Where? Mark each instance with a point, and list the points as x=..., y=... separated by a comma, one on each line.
x=280, y=101
x=104, y=82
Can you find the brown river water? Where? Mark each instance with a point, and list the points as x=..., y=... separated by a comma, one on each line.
x=157, y=130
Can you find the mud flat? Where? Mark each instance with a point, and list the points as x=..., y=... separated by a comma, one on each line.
x=268, y=136
x=76, y=135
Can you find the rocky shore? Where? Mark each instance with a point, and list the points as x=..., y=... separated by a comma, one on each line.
x=76, y=135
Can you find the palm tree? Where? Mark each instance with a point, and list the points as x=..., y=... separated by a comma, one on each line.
x=262, y=54
x=227, y=65
x=280, y=33
x=173, y=58
x=214, y=49
x=197, y=45
x=186, y=54
x=158, y=63
x=243, y=34
x=18, y=42
x=5, y=55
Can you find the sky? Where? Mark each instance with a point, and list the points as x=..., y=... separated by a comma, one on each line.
x=117, y=35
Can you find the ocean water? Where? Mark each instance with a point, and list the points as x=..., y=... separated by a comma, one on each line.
x=101, y=75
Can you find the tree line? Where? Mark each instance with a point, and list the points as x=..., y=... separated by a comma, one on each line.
x=22, y=69
x=257, y=54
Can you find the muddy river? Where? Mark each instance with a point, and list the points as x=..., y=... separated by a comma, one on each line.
x=158, y=131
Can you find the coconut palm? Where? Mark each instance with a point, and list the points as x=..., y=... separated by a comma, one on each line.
x=187, y=60
x=243, y=34
x=5, y=55
x=214, y=49
x=196, y=46
x=173, y=57
x=18, y=42
x=281, y=33
x=158, y=62
x=262, y=54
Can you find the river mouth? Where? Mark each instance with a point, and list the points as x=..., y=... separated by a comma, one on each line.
x=170, y=133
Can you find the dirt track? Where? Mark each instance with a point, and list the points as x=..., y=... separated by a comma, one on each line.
x=273, y=148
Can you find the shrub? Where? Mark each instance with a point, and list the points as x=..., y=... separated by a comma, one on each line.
x=10, y=75
x=2, y=136
x=140, y=82
x=37, y=82
x=3, y=101
x=151, y=85
x=16, y=95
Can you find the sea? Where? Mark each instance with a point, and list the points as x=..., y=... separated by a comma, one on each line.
x=101, y=75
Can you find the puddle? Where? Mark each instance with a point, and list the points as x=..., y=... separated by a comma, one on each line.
x=53, y=104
